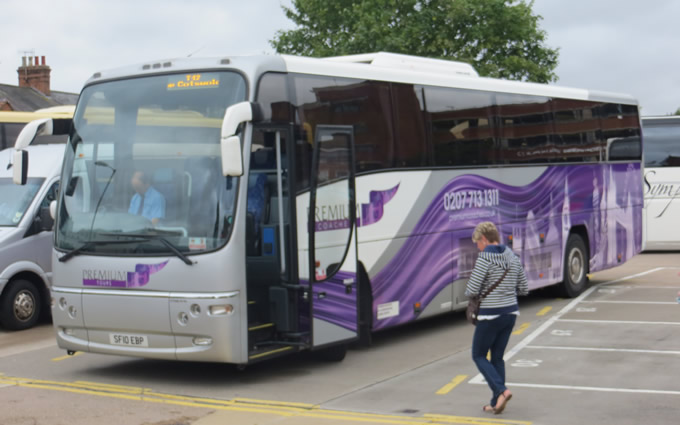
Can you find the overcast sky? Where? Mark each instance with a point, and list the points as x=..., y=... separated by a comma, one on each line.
x=625, y=46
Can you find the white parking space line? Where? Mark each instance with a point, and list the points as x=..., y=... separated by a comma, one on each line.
x=601, y=389
x=479, y=379
x=623, y=322
x=12, y=351
x=630, y=302
x=621, y=350
x=642, y=287
x=622, y=279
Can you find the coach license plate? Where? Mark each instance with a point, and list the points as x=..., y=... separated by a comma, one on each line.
x=129, y=340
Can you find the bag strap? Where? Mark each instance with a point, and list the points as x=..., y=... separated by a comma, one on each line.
x=492, y=287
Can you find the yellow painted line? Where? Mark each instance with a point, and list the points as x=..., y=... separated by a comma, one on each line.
x=266, y=325
x=58, y=359
x=112, y=387
x=523, y=327
x=473, y=420
x=276, y=403
x=544, y=311
x=268, y=353
x=451, y=385
x=68, y=387
x=404, y=420
x=288, y=409
x=77, y=386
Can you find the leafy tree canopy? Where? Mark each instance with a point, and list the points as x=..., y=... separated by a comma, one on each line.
x=500, y=38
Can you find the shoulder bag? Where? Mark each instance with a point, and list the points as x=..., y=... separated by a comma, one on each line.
x=474, y=303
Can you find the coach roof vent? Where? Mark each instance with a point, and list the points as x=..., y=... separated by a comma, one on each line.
x=413, y=63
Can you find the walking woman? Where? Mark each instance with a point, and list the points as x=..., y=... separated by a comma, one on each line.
x=498, y=310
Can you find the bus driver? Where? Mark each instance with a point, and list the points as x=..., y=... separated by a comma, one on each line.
x=147, y=201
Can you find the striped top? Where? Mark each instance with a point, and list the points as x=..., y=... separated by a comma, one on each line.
x=489, y=267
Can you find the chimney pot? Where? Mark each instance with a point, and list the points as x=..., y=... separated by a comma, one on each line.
x=33, y=74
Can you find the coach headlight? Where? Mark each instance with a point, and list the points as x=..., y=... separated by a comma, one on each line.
x=202, y=341
x=221, y=310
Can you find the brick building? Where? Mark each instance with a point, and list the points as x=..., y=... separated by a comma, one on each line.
x=33, y=91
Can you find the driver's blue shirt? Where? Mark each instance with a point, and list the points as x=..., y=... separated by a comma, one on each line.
x=153, y=207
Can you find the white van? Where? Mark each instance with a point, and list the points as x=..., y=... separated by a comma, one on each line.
x=26, y=236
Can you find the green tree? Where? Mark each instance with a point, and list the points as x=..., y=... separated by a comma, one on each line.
x=500, y=38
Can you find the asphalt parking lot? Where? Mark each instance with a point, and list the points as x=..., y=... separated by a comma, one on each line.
x=609, y=356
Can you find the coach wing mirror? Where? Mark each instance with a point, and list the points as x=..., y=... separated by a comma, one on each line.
x=53, y=210
x=35, y=128
x=230, y=143
x=41, y=127
x=20, y=167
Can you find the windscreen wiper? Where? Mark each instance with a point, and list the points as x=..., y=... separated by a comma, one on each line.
x=142, y=237
x=89, y=244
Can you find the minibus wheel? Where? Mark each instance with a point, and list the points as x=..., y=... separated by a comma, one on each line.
x=20, y=305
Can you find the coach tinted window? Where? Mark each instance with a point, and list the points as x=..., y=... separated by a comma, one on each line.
x=409, y=125
x=577, y=130
x=365, y=105
x=461, y=126
x=272, y=97
x=661, y=144
x=621, y=122
x=526, y=127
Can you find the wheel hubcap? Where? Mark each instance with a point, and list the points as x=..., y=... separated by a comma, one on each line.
x=24, y=306
x=576, y=265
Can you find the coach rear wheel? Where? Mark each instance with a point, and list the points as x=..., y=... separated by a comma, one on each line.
x=575, y=267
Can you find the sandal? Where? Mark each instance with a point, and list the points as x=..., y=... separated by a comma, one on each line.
x=487, y=408
x=502, y=401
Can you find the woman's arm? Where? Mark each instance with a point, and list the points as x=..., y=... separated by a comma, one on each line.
x=477, y=277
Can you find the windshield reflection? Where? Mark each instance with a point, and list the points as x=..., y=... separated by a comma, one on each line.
x=144, y=160
x=15, y=199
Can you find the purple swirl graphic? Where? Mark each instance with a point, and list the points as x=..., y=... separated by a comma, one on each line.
x=534, y=220
x=373, y=211
x=119, y=279
x=332, y=303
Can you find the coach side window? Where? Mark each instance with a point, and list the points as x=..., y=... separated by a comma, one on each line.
x=364, y=105
x=526, y=128
x=461, y=126
x=577, y=130
x=409, y=126
x=621, y=125
x=272, y=96
x=661, y=145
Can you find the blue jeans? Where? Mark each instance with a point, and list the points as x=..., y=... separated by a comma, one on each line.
x=492, y=335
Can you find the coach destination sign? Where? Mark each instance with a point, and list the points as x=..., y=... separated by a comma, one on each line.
x=193, y=81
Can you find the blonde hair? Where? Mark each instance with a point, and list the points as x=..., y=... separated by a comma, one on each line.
x=488, y=230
